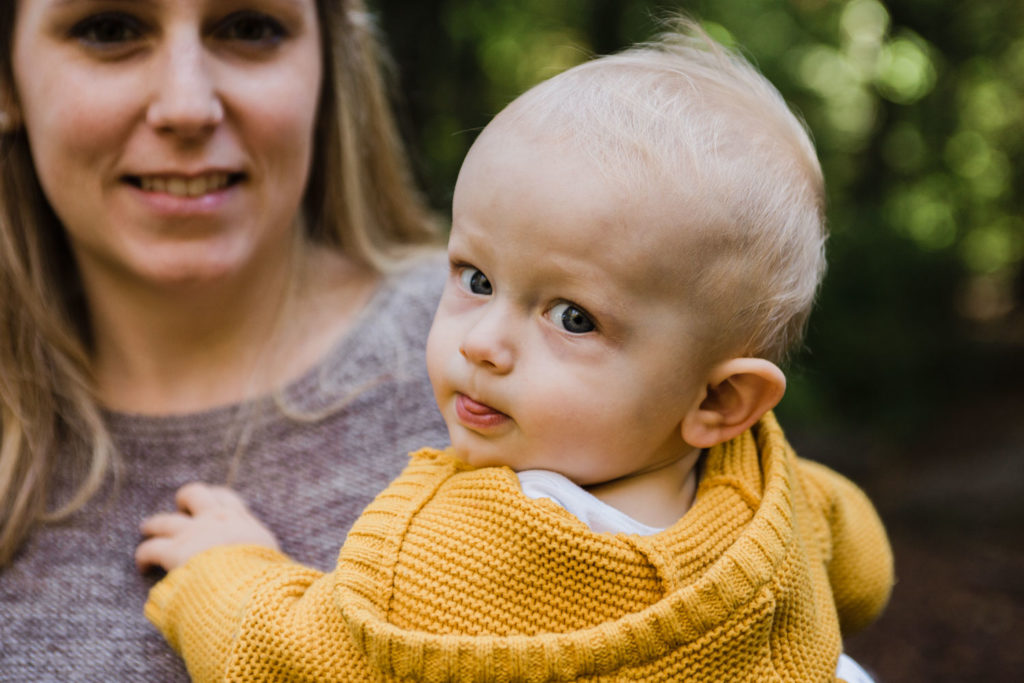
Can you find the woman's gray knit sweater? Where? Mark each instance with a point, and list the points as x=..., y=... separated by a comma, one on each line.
x=71, y=603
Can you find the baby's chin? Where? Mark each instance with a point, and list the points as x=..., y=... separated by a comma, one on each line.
x=480, y=460
x=477, y=457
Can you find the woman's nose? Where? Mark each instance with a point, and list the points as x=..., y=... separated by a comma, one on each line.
x=489, y=343
x=185, y=97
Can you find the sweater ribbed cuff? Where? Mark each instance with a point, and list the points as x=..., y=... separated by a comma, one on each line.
x=197, y=606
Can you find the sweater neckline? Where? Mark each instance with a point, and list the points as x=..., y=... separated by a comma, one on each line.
x=683, y=615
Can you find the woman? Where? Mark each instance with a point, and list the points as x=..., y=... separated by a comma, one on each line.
x=206, y=272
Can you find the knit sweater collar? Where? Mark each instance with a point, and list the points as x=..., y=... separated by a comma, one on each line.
x=711, y=563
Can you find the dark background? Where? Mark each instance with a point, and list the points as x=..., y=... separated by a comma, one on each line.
x=912, y=378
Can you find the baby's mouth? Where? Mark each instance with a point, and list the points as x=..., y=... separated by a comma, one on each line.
x=477, y=408
x=474, y=414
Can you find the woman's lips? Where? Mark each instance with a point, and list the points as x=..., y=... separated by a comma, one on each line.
x=476, y=415
x=185, y=197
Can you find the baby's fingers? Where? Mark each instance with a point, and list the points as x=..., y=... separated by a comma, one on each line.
x=164, y=524
x=157, y=551
x=197, y=498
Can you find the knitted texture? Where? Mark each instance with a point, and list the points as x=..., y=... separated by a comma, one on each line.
x=453, y=574
x=70, y=604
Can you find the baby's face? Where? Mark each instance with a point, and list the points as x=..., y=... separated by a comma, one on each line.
x=561, y=341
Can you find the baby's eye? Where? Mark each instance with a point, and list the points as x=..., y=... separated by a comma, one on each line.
x=251, y=27
x=474, y=280
x=109, y=29
x=572, y=318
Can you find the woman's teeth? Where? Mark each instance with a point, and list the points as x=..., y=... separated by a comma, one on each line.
x=185, y=187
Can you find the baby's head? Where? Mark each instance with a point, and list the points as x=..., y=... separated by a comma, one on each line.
x=635, y=244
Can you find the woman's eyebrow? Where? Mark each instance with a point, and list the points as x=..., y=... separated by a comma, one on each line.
x=60, y=4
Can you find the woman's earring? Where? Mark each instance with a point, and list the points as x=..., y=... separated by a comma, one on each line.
x=10, y=121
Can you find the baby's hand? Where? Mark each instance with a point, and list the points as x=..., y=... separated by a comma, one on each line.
x=208, y=516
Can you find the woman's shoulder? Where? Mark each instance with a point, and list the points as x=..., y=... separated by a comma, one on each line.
x=402, y=309
x=417, y=281
x=413, y=284
x=387, y=339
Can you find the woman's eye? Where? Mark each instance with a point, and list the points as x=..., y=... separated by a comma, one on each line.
x=251, y=27
x=107, y=29
x=572, y=318
x=475, y=281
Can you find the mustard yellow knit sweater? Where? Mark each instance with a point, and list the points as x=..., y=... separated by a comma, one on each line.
x=453, y=574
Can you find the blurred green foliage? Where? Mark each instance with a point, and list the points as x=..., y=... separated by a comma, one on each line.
x=915, y=106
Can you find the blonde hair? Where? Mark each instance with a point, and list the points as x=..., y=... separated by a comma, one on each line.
x=361, y=199
x=682, y=119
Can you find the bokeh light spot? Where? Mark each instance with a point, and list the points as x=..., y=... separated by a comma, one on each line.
x=905, y=72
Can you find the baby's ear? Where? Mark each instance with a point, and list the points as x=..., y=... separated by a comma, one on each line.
x=738, y=392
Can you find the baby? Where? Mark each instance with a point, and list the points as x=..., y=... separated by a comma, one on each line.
x=635, y=246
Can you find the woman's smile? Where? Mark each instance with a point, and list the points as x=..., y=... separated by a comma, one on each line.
x=180, y=195
x=182, y=186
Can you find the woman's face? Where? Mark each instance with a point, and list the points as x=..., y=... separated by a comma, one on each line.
x=173, y=138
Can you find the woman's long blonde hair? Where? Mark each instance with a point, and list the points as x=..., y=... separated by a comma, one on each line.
x=361, y=199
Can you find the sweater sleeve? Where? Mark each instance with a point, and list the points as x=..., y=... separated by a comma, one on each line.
x=249, y=613
x=859, y=559
x=246, y=613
